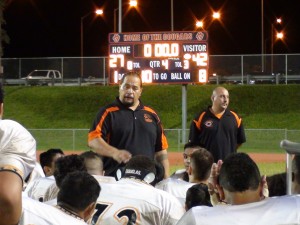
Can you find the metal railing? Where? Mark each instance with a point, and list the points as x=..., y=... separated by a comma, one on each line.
x=240, y=69
x=258, y=140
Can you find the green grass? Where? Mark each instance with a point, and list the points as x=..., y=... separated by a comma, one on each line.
x=261, y=106
x=271, y=168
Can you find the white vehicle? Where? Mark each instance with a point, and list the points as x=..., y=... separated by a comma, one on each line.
x=42, y=77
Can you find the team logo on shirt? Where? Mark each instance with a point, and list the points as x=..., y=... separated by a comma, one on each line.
x=147, y=118
x=208, y=123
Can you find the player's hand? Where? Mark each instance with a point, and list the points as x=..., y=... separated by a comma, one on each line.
x=213, y=182
x=214, y=173
x=122, y=156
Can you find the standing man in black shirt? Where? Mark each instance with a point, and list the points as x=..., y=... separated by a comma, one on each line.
x=218, y=129
x=126, y=128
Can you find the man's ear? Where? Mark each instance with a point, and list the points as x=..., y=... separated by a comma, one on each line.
x=212, y=98
x=88, y=212
x=264, y=190
x=47, y=170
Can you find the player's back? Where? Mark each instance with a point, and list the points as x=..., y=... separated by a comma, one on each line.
x=17, y=146
x=135, y=201
x=37, y=213
x=271, y=211
x=37, y=188
x=176, y=187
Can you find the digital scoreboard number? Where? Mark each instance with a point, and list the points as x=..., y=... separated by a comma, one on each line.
x=161, y=57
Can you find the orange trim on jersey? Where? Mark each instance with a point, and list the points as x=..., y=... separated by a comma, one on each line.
x=150, y=110
x=12, y=169
x=97, y=132
x=163, y=136
x=198, y=122
x=219, y=115
x=238, y=120
x=164, y=142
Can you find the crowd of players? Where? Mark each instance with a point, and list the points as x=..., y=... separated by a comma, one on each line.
x=73, y=189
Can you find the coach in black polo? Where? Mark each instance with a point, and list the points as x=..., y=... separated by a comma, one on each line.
x=218, y=129
x=126, y=128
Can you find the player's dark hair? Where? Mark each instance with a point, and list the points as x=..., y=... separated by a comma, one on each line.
x=201, y=160
x=141, y=162
x=140, y=167
x=197, y=195
x=132, y=73
x=1, y=94
x=66, y=165
x=239, y=173
x=93, y=161
x=191, y=145
x=46, y=157
x=78, y=190
x=90, y=155
x=277, y=184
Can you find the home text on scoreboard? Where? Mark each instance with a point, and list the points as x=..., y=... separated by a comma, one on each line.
x=161, y=57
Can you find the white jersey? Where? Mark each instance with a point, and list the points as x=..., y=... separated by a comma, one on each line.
x=133, y=200
x=36, y=189
x=37, y=213
x=104, y=179
x=271, y=211
x=51, y=192
x=175, y=187
x=101, y=180
x=17, y=147
x=37, y=172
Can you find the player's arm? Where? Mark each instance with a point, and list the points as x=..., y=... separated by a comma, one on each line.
x=10, y=198
x=162, y=157
x=104, y=149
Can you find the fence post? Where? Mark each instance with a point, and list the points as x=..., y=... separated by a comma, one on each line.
x=73, y=139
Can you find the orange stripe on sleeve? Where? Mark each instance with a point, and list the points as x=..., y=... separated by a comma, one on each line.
x=163, y=136
x=151, y=110
x=238, y=119
x=198, y=122
x=97, y=132
x=164, y=142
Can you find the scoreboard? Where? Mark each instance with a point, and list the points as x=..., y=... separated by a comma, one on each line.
x=161, y=57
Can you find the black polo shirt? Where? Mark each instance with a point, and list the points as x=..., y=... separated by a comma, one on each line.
x=219, y=136
x=140, y=131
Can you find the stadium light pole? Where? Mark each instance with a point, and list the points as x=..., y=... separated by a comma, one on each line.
x=97, y=12
x=172, y=15
x=262, y=37
x=279, y=35
x=132, y=3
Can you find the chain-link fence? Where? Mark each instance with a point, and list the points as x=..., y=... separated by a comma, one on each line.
x=239, y=69
x=258, y=140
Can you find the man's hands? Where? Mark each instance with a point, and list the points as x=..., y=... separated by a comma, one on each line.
x=121, y=156
x=104, y=149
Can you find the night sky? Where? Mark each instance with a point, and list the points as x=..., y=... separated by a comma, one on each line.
x=51, y=28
